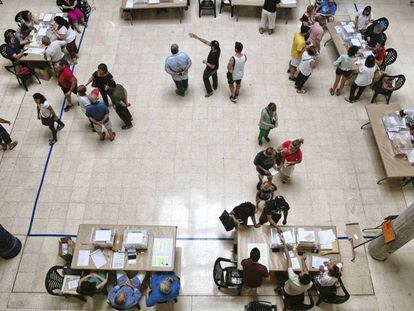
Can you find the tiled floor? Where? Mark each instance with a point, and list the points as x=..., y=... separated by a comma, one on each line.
x=187, y=159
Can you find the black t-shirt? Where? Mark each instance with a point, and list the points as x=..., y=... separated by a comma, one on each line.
x=100, y=82
x=375, y=38
x=243, y=212
x=270, y=5
x=305, y=18
x=263, y=160
x=275, y=207
x=213, y=59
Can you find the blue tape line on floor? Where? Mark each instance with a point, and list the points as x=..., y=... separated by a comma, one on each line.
x=39, y=189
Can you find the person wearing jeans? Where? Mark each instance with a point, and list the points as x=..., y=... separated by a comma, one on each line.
x=5, y=140
x=364, y=78
x=47, y=115
x=177, y=65
x=212, y=64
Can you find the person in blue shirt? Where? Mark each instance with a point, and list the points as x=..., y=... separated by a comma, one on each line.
x=327, y=9
x=127, y=293
x=163, y=288
x=98, y=114
x=177, y=65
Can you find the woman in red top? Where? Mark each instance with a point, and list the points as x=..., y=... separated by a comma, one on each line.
x=291, y=155
x=67, y=82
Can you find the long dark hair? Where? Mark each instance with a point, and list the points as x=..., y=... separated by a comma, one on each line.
x=60, y=21
x=367, y=10
x=39, y=97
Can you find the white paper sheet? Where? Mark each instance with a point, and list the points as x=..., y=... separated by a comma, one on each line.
x=129, y=4
x=118, y=260
x=326, y=236
x=59, y=14
x=289, y=239
x=72, y=284
x=38, y=51
x=98, y=258
x=264, y=252
x=288, y=1
x=349, y=29
x=355, y=42
x=103, y=235
x=306, y=235
x=367, y=53
x=295, y=263
x=134, y=238
x=47, y=17
x=291, y=254
x=153, y=1
x=42, y=32
x=83, y=258
x=318, y=261
x=272, y=171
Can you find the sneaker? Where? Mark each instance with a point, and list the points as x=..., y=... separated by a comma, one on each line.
x=68, y=107
x=261, y=30
x=209, y=94
x=292, y=79
x=215, y=87
x=301, y=91
x=4, y=146
x=331, y=91
x=233, y=99
x=52, y=141
x=60, y=126
x=270, y=31
x=179, y=93
x=126, y=127
x=348, y=100
x=12, y=145
x=267, y=139
x=260, y=143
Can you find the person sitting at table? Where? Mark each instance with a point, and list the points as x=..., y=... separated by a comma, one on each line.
x=127, y=292
x=294, y=285
x=408, y=114
x=92, y=284
x=75, y=15
x=273, y=210
x=63, y=31
x=329, y=274
x=164, y=287
x=264, y=193
x=13, y=50
x=375, y=36
x=363, y=19
x=380, y=53
x=29, y=20
x=253, y=272
x=327, y=9
x=53, y=50
x=241, y=213
x=23, y=35
x=344, y=65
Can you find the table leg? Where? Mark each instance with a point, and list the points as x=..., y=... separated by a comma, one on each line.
x=188, y=4
x=365, y=124
x=181, y=14
x=381, y=180
x=236, y=8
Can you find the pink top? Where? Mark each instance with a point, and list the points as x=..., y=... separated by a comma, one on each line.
x=316, y=32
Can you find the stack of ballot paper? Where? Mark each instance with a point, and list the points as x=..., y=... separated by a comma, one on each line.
x=326, y=238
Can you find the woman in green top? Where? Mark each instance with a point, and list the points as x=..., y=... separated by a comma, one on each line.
x=92, y=284
x=268, y=121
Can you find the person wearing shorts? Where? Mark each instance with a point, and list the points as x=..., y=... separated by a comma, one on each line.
x=298, y=47
x=344, y=65
x=98, y=114
x=67, y=82
x=235, y=71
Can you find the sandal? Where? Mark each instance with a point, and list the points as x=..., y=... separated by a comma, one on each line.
x=302, y=91
x=331, y=90
x=4, y=147
x=103, y=136
x=68, y=107
x=52, y=142
x=12, y=145
x=113, y=137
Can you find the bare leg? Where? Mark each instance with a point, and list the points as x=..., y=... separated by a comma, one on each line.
x=236, y=93
x=111, y=134
x=77, y=28
x=292, y=70
x=341, y=86
x=231, y=86
x=335, y=85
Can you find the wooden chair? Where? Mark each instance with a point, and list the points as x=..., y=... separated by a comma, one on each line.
x=206, y=5
x=379, y=89
x=389, y=59
x=224, y=3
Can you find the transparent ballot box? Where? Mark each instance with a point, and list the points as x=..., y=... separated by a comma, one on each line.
x=103, y=237
x=135, y=238
x=288, y=234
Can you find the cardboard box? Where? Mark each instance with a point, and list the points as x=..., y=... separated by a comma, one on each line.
x=43, y=73
x=66, y=248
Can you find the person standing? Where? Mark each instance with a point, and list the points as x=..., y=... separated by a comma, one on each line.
x=268, y=18
x=212, y=64
x=119, y=98
x=241, y=213
x=305, y=68
x=273, y=211
x=177, y=65
x=235, y=71
x=67, y=82
x=47, y=115
x=264, y=161
x=53, y=50
x=344, y=64
x=100, y=79
x=253, y=272
x=268, y=121
x=364, y=78
x=5, y=139
x=98, y=114
x=316, y=33
x=62, y=30
x=298, y=47
x=291, y=155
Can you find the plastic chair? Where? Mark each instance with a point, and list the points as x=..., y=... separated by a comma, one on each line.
x=260, y=306
x=227, y=276
x=15, y=67
x=378, y=89
x=383, y=21
x=287, y=305
x=54, y=282
x=206, y=5
x=224, y=3
x=9, y=33
x=328, y=296
x=389, y=59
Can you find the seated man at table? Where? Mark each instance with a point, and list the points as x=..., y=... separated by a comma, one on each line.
x=374, y=37
x=241, y=213
x=164, y=287
x=329, y=274
x=273, y=210
x=295, y=285
x=127, y=292
x=13, y=50
x=327, y=9
x=253, y=272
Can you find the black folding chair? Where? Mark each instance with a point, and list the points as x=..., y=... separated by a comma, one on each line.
x=260, y=306
x=327, y=295
x=389, y=59
x=54, y=282
x=206, y=5
x=379, y=88
x=227, y=276
x=224, y=3
x=288, y=304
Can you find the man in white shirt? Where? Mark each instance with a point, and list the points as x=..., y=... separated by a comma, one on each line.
x=53, y=51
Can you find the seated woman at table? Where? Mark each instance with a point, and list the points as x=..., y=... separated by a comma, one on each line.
x=75, y=15
x=164, y=287
x=92, y=284
x=327, y=9
x=363, y=19
x=329, y=274
x=23, y=34
x=344, y=65
x=29, y=20
x=63, y=31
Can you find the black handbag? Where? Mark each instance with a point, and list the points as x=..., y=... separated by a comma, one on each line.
x=226, y=221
